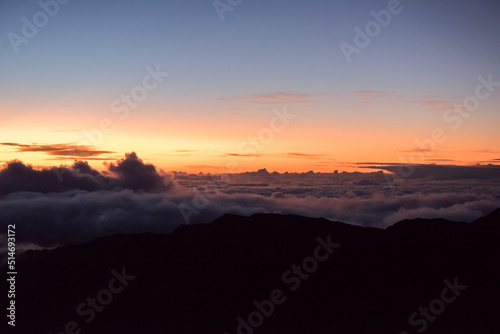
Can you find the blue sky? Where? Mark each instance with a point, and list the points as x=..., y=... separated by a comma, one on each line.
x=92, y=51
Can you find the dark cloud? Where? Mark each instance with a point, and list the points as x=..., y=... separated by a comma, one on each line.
x=84, y=168
x=129, y=173
x=134, y=174
x=19, y=177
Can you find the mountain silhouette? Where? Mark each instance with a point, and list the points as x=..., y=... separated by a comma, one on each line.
x=236, y=275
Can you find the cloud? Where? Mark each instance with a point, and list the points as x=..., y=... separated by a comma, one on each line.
x=205, y=167
x=376, y=163
x=113, y=157
x=366, y=182
x=417, y=149
x=278, y=97
x=430, y=103
x=62, y=150
x=79, y=216
x=243, y=155
x=74, y=204
x=133, y=173
x=303, y=155
x=439, y=159
x=129, y=173
x=369, y=93
x=450, y=172
x=375, y=94
x=279, y=155
x=438, y=104
x=486, y=150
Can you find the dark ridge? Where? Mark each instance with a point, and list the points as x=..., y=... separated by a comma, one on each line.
x=201, y=278
x=492, y=219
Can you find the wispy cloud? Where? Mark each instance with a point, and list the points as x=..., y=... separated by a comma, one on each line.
x=255, y=155
x=277, y=155
x=62, y=150
x=372, y=94
x=417, y=149
x=443, y=160
x=303, y=155
x=66, y=158
x=377, y=163
x=492, y=161
x=277, y=97
x=439, y=104
x=427, y=102
x=487, y=151
x=204, y=167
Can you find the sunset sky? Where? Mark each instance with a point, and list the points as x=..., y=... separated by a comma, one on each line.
x=234, y=76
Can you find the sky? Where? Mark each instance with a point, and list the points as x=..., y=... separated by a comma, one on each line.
x=206, y=86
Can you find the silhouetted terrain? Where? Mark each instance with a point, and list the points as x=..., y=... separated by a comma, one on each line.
x=201, y=278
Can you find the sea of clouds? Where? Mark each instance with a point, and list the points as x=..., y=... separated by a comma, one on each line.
x=74, y=204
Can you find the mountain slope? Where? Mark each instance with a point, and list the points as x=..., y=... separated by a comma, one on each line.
x=202, y=278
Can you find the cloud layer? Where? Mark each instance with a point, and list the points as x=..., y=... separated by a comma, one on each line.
x=76, y=204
